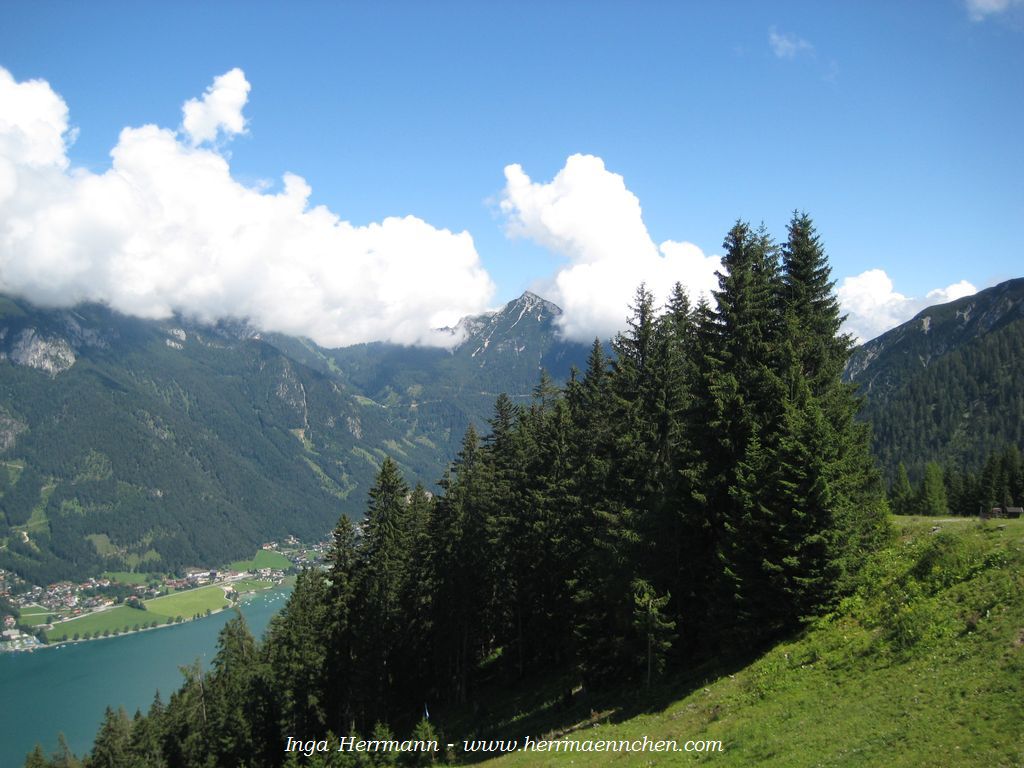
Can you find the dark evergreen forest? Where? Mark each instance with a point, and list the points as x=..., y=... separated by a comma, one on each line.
x=998, y=484
x=700, y=492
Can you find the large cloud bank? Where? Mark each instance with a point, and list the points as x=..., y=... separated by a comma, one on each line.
x=167, y=229
x=588, y=216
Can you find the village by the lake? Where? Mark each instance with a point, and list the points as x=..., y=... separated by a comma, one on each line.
x=119, y=602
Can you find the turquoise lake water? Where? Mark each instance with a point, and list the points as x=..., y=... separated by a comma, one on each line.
x=67, y=689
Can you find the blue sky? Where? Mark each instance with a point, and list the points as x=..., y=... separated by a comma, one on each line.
x=895, y=125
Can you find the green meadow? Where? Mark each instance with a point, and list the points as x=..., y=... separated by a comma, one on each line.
x=110, y=620
x=130, y=577
x=187, y=604
x=922, y=666
x=33, y=616
x=265, y=558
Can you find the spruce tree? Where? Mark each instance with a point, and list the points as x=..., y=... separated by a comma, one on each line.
x=705, y=461
x=65, y=758
x=666, y=521
x=748, y=325
x=231, y=693
x=383, y=567
x=933, y=491
x=553, y=508
x=902, y=492
x=803, y=500
x=812, y=313
x=296, y=650
x=342, y=560
x=113, y=741
x=462, y=574
x=654, y=631
x=418, y=596
x=146, y=749
x=36, y=758
x=621, y=519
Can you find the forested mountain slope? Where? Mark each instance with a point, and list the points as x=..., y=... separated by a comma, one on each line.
x=144, y=444
x=129, y=442
x=948, y=385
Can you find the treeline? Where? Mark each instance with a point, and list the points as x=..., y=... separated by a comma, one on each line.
x=704, y=491
x=999, y=482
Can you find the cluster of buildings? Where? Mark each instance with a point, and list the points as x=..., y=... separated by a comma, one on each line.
x=68, y=599
x=196, y=577
x=310, y=556
x=13, y=639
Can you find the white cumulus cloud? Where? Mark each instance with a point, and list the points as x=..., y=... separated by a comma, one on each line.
x=979, y=10
x=951, y=293
x=787, y=46
x=873, y=306
x=220, y=109
x=168, y=229
x=587, y=215
x=33, y=123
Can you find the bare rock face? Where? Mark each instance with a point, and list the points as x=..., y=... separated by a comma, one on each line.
x=82, y=335
x=52, y=355
x=10, y=428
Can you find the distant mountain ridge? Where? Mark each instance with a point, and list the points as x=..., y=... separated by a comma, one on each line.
x=441, y=391
x=947, y=385
x=136, y=443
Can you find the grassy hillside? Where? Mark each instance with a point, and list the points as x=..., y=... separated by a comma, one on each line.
x=923, y=666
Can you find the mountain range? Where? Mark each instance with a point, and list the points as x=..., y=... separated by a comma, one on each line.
x=129, y=443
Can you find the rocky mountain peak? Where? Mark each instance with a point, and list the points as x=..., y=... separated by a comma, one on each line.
x=530, y=302
x=520, y=325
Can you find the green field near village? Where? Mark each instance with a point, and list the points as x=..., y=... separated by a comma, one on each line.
x=33, y=616
x=130, y=577
x=186, y=604
x=116, y=618
x=265, y=558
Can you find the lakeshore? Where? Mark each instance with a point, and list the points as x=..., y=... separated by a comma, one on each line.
x=120, y=603
x=27, y=646
x=67, y=690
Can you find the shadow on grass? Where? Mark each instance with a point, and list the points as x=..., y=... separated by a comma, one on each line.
x=552, y=706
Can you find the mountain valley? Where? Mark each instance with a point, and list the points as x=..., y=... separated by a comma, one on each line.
x=152, y=445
